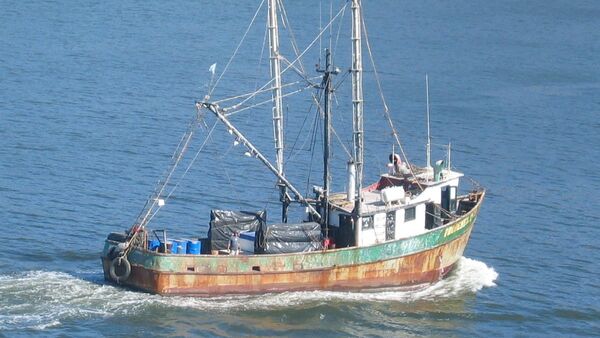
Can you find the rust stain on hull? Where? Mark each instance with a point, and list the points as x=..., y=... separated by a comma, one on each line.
x=423, y=267
x=415, y=260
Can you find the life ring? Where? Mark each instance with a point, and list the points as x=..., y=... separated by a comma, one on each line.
x=122, y=264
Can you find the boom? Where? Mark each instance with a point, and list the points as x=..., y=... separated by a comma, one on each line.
x=243, y=140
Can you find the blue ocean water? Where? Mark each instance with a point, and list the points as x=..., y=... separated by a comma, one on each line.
x=94, y=97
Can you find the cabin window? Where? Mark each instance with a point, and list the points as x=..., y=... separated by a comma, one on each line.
x=449, y=199
x=409, y=214
x=367, y=222
x=390, y=225
x=452, y=199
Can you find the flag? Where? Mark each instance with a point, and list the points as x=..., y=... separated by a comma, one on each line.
x=212, y=68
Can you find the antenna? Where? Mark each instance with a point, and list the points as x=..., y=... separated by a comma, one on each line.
x=449, y=154
x=428, y=127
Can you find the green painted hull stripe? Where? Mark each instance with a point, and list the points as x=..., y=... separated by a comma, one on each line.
x=308, y=261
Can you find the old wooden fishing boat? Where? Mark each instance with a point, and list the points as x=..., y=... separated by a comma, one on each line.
x=409, y=227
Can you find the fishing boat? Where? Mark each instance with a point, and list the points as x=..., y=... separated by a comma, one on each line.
x=410, y=226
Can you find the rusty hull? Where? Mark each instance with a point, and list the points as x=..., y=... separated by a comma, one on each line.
x=416, y=260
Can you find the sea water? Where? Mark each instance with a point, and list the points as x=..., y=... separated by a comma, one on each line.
x=94, y=98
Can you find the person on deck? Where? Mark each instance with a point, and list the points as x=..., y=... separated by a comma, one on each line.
x=234, y=246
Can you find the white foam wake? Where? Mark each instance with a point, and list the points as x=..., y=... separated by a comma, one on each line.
x=41, y=299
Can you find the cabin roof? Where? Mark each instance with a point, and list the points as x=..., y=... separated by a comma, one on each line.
x=373, y=201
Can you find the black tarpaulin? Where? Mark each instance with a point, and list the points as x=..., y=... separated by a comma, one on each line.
x=223, y=223
x=290, y=247
x=288, y=238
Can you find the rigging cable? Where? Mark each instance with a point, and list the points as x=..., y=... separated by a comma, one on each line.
x=302, y=71
x=286, y=22
x=312, y=153
x=293, y=147
x=385, y=106
x=175, y=158
x=184, y=173
x=318, y=104
x=296, y=51
x=261, y=103
x=149, y=213
x=299, y=56
x=236, y=49
x=337, y=38
x=260, y=91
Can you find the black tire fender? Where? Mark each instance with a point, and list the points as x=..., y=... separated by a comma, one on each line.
x=124, y=267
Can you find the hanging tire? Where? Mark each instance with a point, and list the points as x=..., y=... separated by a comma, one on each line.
x=120, y=269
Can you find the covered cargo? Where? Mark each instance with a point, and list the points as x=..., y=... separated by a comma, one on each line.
x=246, y=241
x=223, y=223
x=288, y=238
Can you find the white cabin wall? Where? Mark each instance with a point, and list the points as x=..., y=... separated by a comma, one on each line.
x=410, y=228
x=368, y=237
x=379, y=221
x=375, y=234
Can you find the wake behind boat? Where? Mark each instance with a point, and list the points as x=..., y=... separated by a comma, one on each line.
x=408, y=227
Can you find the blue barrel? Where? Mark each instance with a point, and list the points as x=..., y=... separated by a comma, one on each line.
x=182, y=247
x=193, y=247
x=153, y=244
x=179, y=247
x=174, y=246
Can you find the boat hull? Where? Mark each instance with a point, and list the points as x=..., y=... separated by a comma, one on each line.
x=416, y=260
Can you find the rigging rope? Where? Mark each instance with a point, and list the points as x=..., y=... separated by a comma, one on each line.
x=302, y=71
x=286, y=23
x=236, y=49
x=312, y=153
x=299, y=56
x=147, y=211
x=291, y=154
x=229, y=113
x=303, y=74
x=385, y=106
x=184, y=173
x=337, y=38
x=175, y=158
x=320, y=110
x=261, y=91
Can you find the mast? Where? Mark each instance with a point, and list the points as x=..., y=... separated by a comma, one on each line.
x=277, y=102
x=357, y=112
x=328, y=87
x=428, y=129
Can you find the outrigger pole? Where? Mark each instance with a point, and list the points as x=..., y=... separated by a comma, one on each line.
x=243, y=140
